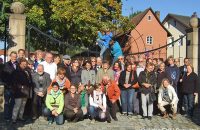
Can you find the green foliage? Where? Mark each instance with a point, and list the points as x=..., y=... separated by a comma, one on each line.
x=74, y=22
x=134, y=14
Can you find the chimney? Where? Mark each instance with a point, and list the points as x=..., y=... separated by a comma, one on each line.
x=157, y=14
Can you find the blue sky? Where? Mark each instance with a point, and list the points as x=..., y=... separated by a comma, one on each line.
x=182, y=7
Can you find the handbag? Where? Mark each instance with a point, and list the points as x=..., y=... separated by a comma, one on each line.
x=135, y=86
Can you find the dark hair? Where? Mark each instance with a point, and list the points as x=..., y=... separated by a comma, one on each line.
x=22, y=60
x=55, y=84
x=120, y=66
x=127, y=64
x=13, y=52
x=56, y=55
x=149, y=64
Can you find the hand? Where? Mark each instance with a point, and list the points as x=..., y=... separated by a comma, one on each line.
x=126, y=85
x=55, y=114
x=113, y=101
x=181, y=80
x=75, y=110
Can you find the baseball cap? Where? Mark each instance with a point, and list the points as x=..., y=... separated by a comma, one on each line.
x=66, y=57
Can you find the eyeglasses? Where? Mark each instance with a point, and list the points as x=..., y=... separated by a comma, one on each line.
x=93, y=61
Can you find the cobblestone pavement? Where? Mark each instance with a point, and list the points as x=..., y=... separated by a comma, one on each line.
x=124, y=123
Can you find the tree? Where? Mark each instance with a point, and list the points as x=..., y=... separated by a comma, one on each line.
x=134, y=14
x=75, y=22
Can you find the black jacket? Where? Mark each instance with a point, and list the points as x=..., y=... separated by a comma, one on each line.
x=160, y=77
x=132, y=79
x=190, y=83
x=7, y=73
x=21, y=83
x=146, y=77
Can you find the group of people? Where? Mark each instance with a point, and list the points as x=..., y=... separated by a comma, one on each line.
x=61, y=88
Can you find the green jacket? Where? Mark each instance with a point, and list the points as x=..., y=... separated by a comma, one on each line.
x=55, y=101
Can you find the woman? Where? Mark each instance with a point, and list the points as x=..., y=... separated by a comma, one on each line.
x=117, y=70
x=167, y=96
x=57, y=59
x=127, y=79
x=72, y=109
x=87, y=75
x=161, y=74
x=75, y=73
x=84, y=99
x=21, y=82
x=62, y=80
x=189, y=89
x=98, y=107
x=54, y=105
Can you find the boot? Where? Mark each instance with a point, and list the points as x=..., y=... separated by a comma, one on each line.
x=165, y=115
x=174, y=116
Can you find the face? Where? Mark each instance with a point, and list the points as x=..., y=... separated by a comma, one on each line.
x=105, y=66
x=21, y=54
x=189, y=69
x=49, y=58
x=129, y=68
x=116, y=66
x=57, y=60
x=33, y=57
x=162, y=67
x=186, y=61
x=55, y=88
x=99, y=89
x=30, y=66
x=40, y=70
x=39, y=55
x=88, y=66
x=73, y=89
x=155, y=62
x=132, y=60
x=121, y=59
x=99, y=61
x=165, y=83
x=105, y=81
x=23, y=65
x=93, y=61
x=13, y=57
x=171, y=61
x=76, y=63
x=150, y=68
x=66, y=61
x=61, y=76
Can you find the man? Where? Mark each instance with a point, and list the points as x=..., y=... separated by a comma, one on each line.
x=113, y=94
x=9, y=67
x=41, y=81
x=116, y=50
x=66, y=64
x=105, y=70
x=49, y=66
x=173, y=72
x=167, y=96
x=21, y=53
x=99, y=64
x=147, y=81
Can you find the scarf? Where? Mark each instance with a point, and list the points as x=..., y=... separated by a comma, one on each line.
x=61, y=83
x=83, y=98
x=55, y=94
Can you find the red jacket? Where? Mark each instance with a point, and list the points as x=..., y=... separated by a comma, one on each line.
x=113, y=91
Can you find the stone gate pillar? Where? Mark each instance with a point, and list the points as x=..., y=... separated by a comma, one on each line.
x=193, y=47
x=17, y=26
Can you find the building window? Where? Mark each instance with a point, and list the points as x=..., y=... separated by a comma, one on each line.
x=175, y=23
x=170, y=41
x=168, y=25
x=180, y=42
x=149, y=18
x=149, y=40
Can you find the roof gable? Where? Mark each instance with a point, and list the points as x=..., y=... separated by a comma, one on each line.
x=138, y=18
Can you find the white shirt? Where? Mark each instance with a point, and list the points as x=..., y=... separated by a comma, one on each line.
x=51, y=69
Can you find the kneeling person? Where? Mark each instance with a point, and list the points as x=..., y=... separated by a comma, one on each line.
x=72, y=109
x=167, y=96
x=98, y=107
x=55, y=104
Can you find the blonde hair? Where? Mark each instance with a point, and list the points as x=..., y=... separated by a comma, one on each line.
x=165, y=79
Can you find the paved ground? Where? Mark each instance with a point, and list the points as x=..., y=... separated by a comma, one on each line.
x=124, y=123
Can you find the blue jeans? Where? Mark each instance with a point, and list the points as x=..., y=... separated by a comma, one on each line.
x=103, y=48
x=127, y=100
x=9, y=104
x=59, y=119
x=188, y=103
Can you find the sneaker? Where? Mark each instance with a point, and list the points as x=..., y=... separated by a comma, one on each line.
x=34, y=118
x=50, y=122
x=115, y=119
x=144, y=117
x=92, y=121
x=149, y=118
x=108, y=121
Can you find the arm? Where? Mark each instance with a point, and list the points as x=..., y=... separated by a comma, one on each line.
x=98, y=77
x=174, y=96
x=93, y=77
x=78, y=102
x=47, y=101
x=104, y=103
x=86, y=100
x=196, y=89
x=100, y=35
x=92, y=102
x=160, y=96
x=112, y=75
x=61, y=105
x=83, y=79
x=67, y=105
x=117, y=92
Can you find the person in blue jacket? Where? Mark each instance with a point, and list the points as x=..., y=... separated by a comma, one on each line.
x=103, y=41
x=116, y=50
